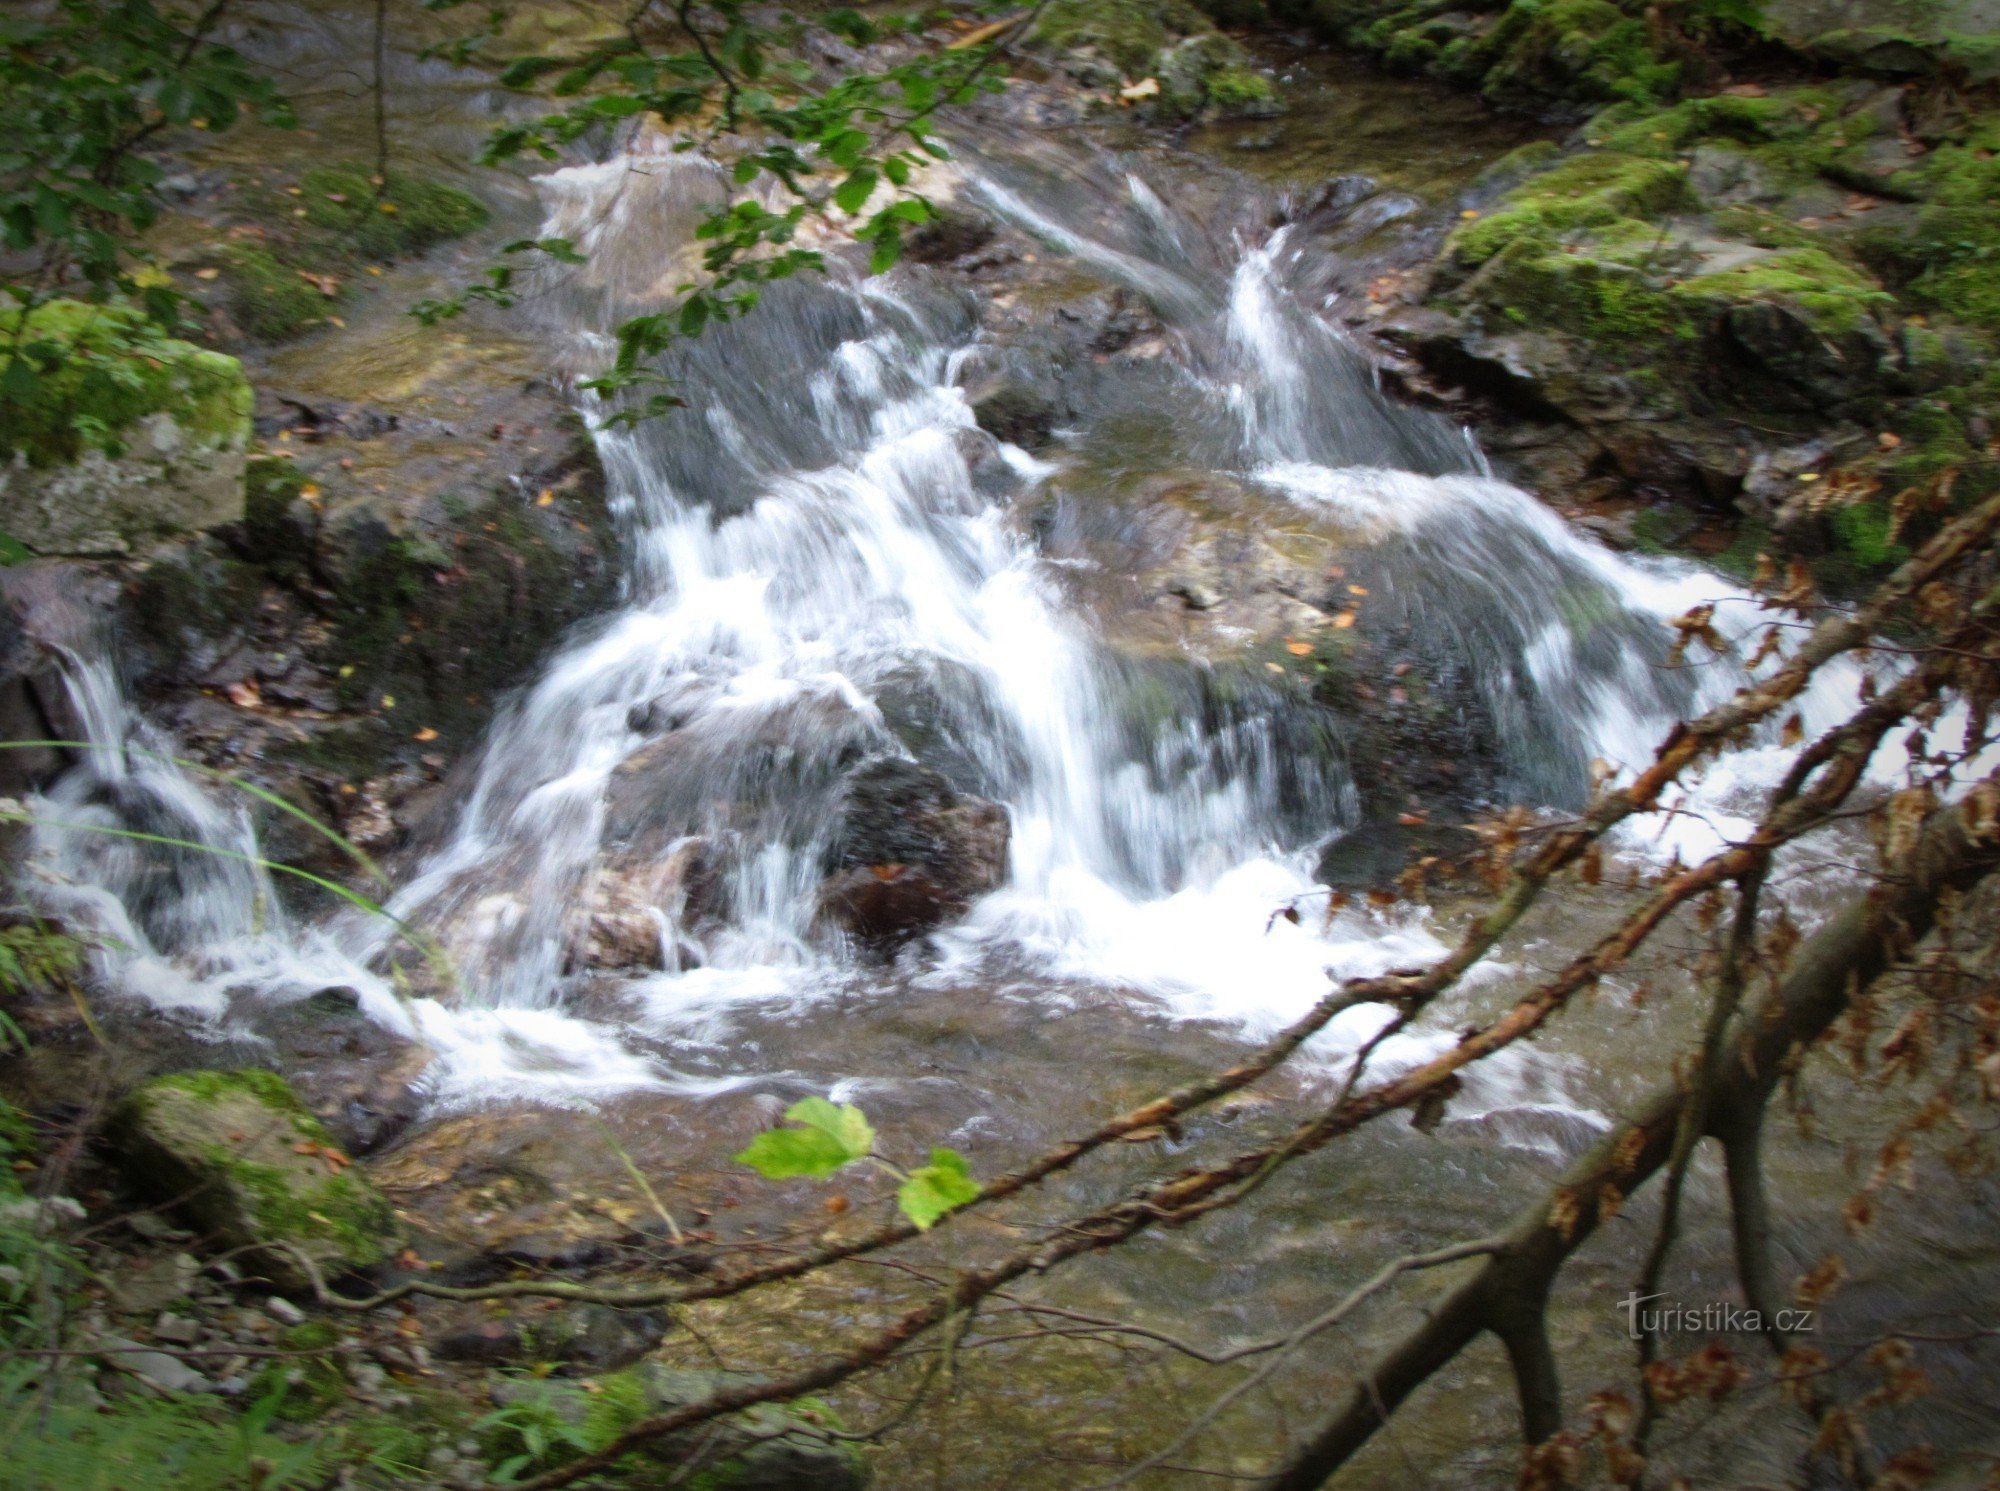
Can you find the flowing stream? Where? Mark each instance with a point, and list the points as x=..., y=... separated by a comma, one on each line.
x=823, y=546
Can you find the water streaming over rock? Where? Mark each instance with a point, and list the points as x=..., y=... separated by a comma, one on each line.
x=826, y=567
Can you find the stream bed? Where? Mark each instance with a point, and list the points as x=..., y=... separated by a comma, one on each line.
x=831, y=560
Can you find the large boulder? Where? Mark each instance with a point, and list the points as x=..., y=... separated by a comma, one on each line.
x=237, y=1155
x=131, y=438
x=910, y=852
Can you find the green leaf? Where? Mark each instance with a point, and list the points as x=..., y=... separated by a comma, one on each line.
x=830, y=1137
x=852, y=193
x=13, y=551
x=846, y=1124
x=944, y=1185
x=780, y=1154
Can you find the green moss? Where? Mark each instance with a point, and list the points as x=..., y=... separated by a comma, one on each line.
x=1863, y=532
x=99, y=368
x=1951, y=263
x=268, y=298
x=266, y=1088
x=1836, y=297
x=194, y=1131
x=1595, y=190
x=1579, y=49
x=1131, y=33
x=1238, y=90
x=405, y=217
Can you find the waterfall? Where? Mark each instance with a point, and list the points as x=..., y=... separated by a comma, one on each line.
x=826, y=534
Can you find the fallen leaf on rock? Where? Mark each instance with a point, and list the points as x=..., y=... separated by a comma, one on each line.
x=425, y=734
x=206, y=274
x=1343, y=621
x=1297, y=648
x=547, y=496
x=244, y=694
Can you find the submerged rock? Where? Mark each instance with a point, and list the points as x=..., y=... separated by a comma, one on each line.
x=910, y=852
x=240, y=1158
x=585, y=1338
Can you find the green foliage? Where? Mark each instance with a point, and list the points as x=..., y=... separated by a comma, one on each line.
x=828, y=1138
x=845, y=149
x=83, y=85
x=91, y=370
x=547, y=1424
x=1863, y=529
x=35, y=956
x=945, y=1184
x=151, y=1444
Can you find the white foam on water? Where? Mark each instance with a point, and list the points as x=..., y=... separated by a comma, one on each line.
x=760, y=637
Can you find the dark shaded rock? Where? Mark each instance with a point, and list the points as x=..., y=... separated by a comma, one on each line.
x=1017, y=413
x=910, y=852
x=584, y=1338
x=952, y=234
x=33, y=706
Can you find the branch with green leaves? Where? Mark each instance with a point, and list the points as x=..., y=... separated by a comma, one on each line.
x=792, y=145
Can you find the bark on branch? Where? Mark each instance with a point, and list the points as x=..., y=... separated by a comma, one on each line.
x=1842, y=959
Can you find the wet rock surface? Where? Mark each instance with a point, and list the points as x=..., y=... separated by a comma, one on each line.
x=909, y=852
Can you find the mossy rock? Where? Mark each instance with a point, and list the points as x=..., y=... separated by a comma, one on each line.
x=1129, y=33
x=105, y=368
x=404, y=216
x=240, y=1158
x=128, y=437
x=270, y=300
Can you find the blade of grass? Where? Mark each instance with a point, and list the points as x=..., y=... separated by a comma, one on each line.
x=263, y=794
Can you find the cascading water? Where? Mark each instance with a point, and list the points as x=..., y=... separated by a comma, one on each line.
x=824, y=537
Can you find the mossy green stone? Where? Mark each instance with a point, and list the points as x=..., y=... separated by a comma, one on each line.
x=239, y=1156
x=127, y=438
x=404, y=216
x=271, y=301
x=115, y=367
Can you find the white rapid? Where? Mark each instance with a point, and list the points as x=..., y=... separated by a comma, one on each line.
x=826, y=567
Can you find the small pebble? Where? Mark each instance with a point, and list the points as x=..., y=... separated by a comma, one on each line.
x=284, y=1311
x=176, y=1328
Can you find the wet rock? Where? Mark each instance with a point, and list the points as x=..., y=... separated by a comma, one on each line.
x=33, y=706
x=580, y=1338
x=631, y=912
x=1110, y=320
x=952, y=234
x=910, y=852
x=244, y=1162
x=1018, y=413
